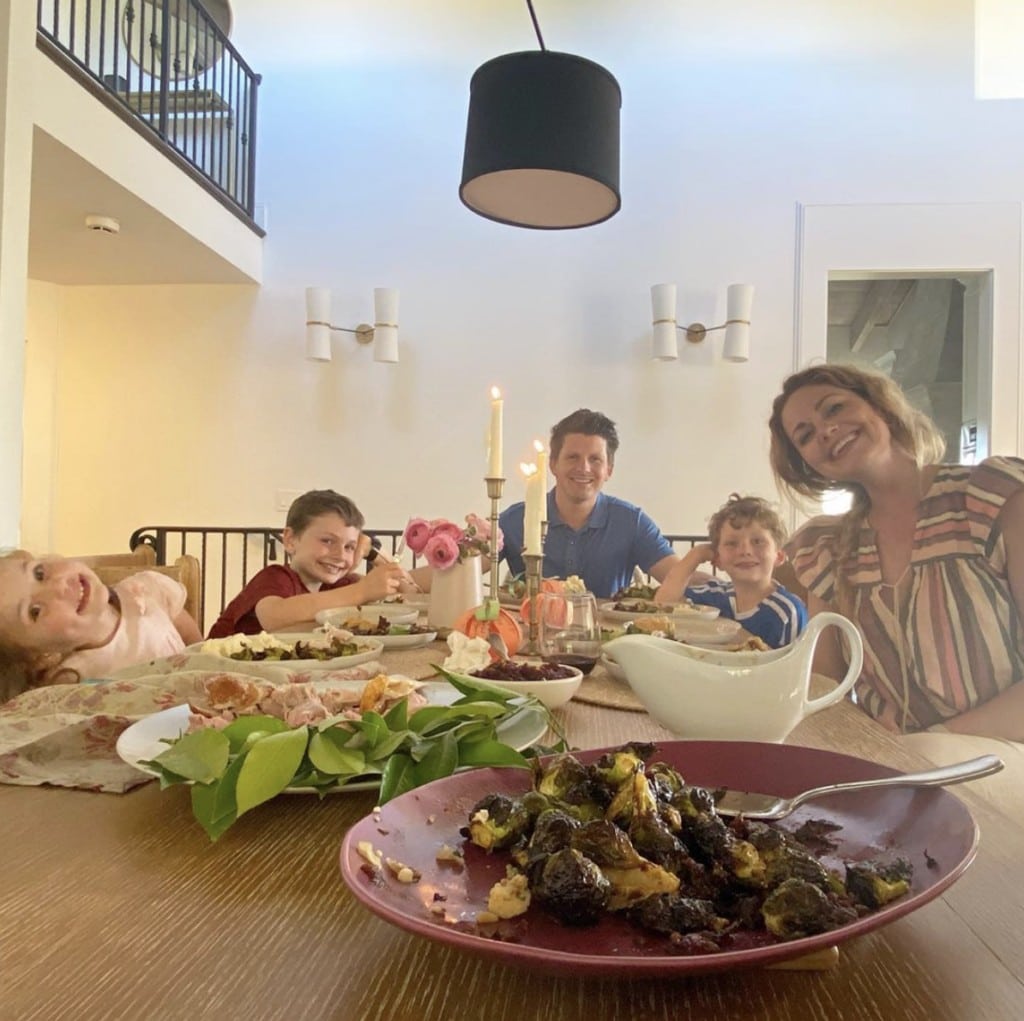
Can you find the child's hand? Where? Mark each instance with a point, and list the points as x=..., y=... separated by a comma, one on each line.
x=703, y=553
x=383, y=580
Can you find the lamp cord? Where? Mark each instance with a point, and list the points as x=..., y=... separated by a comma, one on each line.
x=536, y=26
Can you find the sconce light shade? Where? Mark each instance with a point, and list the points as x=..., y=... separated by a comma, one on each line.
x=663, y=339
x=739, y=301
x=385, y=324
x=318, y=316
x=542, y=141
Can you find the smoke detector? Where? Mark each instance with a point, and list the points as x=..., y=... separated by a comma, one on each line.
x=102, y=224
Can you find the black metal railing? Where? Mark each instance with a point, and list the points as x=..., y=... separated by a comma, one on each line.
x=173, y=69
x=229, y=557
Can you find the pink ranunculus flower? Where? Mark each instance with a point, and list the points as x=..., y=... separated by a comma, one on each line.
x=417, y=532
x=441, y=551
x=482, y=527
x=448, y=528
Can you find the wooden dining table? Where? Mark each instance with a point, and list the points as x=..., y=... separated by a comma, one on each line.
x=119, y=906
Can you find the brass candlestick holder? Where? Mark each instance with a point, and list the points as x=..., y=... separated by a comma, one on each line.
x=533, y=563
x=492, y=604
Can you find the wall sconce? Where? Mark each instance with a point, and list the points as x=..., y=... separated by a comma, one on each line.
x=739, y=299
x=542, y=140
x=383, y=334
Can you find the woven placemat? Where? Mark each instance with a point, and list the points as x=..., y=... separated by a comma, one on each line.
x=600, y=688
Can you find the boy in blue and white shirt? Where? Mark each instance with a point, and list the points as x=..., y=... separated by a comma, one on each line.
x=746, y=543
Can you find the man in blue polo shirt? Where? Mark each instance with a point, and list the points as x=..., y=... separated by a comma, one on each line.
x=598, y=537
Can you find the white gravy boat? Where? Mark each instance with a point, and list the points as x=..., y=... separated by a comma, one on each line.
x=737, y=696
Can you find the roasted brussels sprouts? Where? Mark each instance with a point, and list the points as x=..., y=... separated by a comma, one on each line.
x=873, y=884
x=572, y=887
x=497, y=822
x=604, y=843
x=615, y=767
x=622, y=836
x=552, y=832
x=797, y=908
x=669, y=913
x=566, y=780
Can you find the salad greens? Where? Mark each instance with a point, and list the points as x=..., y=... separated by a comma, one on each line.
x=255, y=758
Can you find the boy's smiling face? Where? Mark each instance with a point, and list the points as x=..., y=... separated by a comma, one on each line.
x=324, y=551
x=748, y=554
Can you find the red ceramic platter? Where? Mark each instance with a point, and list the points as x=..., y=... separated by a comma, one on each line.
x=930, y=827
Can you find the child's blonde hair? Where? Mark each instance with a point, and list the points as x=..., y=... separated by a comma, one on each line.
x=744, y=510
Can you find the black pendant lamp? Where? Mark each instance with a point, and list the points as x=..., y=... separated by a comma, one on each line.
x=542, y=141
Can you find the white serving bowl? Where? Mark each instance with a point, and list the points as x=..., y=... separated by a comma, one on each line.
x=396, y=613
x=552, y=693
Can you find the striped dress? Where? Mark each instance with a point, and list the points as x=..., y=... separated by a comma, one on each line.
x=946, y=637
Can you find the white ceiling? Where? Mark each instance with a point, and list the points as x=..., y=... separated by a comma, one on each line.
x=150, y=248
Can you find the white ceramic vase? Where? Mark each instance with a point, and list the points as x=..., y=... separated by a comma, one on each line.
x=455, y=590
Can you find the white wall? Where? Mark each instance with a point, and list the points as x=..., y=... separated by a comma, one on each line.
x=194, y=404
x=15, y=188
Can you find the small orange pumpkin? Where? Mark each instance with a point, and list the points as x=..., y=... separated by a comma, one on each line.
x=505, y=624
x=553, y=585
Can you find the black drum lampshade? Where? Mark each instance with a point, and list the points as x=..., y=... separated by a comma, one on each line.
x=542, y=141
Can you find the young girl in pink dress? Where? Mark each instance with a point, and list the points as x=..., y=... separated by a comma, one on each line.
x=59, y=624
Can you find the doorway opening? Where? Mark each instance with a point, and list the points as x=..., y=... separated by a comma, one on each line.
x=927, y=332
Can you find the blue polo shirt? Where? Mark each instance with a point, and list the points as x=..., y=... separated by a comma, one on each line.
x=617, y=537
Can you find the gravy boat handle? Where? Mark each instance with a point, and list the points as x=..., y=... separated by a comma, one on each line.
x=813, y=631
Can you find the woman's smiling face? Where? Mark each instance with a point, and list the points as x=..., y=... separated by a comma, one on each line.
x=838, y=433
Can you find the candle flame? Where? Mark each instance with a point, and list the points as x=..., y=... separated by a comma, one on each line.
x=527, y=469
x=495, y=394
x=538, y=446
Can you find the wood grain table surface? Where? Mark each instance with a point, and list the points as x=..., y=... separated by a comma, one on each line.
x=118, y=906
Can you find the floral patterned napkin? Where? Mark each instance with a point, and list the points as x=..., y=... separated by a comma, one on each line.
x=66, y=734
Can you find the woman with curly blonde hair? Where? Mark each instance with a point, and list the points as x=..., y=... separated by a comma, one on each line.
x=928, y=562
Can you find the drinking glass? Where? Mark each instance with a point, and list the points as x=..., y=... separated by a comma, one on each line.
x=568, y=629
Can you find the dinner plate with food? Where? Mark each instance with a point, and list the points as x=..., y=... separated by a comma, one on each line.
x=147, y=738
x=387, y=632
x=841, y=868
x=312, y=651
x=396, y=613
x=630, y=609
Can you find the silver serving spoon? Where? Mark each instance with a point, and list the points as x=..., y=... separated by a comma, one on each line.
x=769, y=806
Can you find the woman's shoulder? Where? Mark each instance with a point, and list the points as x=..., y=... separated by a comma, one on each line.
x=816, y=531
x=812, y=553
x=979, y=489
x=999, y=474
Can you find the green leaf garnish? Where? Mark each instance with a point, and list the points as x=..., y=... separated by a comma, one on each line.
x=254, y=758
x=201, y=756
x=267, y=767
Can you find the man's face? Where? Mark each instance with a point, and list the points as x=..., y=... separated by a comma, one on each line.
x=581, y=467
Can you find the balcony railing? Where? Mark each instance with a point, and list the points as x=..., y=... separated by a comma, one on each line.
x=169, y=67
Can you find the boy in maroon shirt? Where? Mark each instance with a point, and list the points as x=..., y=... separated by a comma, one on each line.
x=324, y=541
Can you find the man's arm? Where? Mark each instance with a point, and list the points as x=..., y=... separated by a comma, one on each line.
x=653, y=551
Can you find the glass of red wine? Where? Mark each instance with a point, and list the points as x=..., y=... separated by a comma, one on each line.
x=569, y=631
